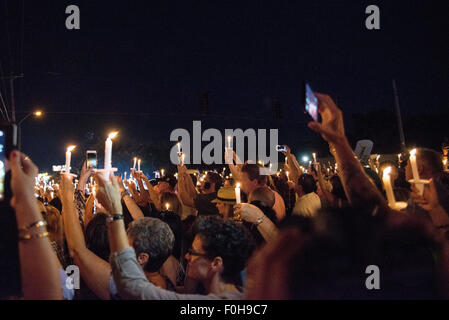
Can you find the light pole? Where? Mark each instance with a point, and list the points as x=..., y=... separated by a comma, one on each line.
x=37, y=114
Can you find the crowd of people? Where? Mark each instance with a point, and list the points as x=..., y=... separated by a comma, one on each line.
x=297, y=234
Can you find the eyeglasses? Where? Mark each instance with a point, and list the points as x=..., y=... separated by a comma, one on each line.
x=198, y=254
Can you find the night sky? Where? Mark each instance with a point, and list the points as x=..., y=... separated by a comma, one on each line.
x=141, y=66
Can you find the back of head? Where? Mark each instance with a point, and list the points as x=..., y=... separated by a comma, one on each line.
x=253, y=171
x=431, y=161
x=337, y=187
x=53, y=219
x=172, y=200
x=264, y=195
x=227, y=240
x=153, y=237
x=215, y=178
x=97, y=236
x=331, y=260
x=308, y=183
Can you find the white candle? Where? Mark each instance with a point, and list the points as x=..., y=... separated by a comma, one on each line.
x=314, y=157
x=286, y=161
x=108, y=151
x=68, y=156
x=415, y=172
x=386, y=178
x=179, y=147
x=229, y=142
x=286, y=172
x=399, y=157
x=237, y=194
x=125, y=176
x=138, y=165
x=135, y=161
x=162, y=172
x=183, y=158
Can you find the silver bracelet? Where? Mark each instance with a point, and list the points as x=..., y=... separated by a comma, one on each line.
x=259, y=220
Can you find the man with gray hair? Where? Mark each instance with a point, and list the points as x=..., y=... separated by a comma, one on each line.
x=153, y=241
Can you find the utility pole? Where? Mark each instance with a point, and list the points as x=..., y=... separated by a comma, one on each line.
x=11, y=79
x=398, y=115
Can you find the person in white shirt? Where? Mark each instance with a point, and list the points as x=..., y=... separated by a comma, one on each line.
x=308, y=202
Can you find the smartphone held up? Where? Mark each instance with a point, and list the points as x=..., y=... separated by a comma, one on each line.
x=310, y=103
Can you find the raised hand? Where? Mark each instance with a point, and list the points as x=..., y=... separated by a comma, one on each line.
x=332, y=127
x=248, y=212
x=66, y=187
x=23, y=174
x=108, y=193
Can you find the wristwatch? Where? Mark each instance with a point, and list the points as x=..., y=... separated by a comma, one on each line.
x=114, y=217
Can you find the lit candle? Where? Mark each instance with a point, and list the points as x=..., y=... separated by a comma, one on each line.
x=286, y=160
x=286, y=172
x=229, y=142
x=92, y=180
x=445, y=164
x=179, y=147
x=138, y=165
x=68, y=156
x=108, y=151
x=399, y=157
x=237, y=194
x=419, y=186
x=125, y=176
x=162, y=172
x=167, y=206
x=135, y=161
x=314, y=157
x=183, y=158
x=386, y=178
x=327, y=171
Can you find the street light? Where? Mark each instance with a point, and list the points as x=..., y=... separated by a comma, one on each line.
x=37, y=114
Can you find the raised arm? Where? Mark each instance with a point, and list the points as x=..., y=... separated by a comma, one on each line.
x=186, y=189
x=38, y=262
x=94, y=270
x=254, y=215
x=133, y=208
x=358, y=187
x=154, y=196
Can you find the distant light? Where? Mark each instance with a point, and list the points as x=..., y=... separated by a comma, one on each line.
x=305, y=159
x=38, y=113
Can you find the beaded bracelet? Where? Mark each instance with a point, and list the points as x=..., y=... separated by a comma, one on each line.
x=37, y=224
x=28, y=236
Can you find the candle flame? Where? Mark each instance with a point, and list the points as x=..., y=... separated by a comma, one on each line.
x=387, y=171
x=71, y=148
x=113, y=135
x=238, y=185
x=413, y=152
x=167, y=206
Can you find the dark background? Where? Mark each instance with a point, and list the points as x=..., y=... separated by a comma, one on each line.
x=144, y=68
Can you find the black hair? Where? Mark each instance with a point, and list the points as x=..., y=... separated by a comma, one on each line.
x=97, y=236
x=307, y=182
x=227, y=240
